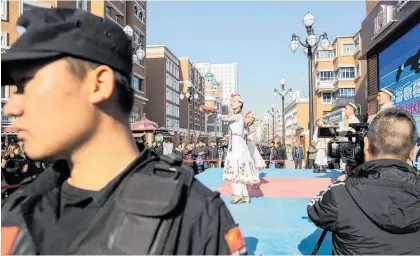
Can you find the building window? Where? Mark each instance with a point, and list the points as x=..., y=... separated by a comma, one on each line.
x=139, y=13
x=4, y=10
x=344, y=93
x=345, y=73
x=137, y=38
x=4, y=39
x=347, y=49
x=108, y=11
x=357, y=44
x=81, y=4
x=326, y=98
x=119, y=18
x=325, y=55
x=137, y=83
x=357, y=69
x=325, y=75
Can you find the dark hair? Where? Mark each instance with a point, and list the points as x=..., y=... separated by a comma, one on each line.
x=80, y=68
x=392, y=132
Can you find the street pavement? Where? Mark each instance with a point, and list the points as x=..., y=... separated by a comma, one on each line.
x=276, y=222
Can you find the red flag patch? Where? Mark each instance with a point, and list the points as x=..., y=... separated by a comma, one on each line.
x=234, y=239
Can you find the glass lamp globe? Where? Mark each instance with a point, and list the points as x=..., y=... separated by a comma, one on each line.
x=294, y=45
x=312, y=40
x=308, y=19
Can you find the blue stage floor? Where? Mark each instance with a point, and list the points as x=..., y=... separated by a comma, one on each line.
x=275, y=225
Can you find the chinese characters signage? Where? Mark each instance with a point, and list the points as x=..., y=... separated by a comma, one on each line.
x=383, y=19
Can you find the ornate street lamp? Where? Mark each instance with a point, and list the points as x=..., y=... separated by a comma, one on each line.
x=310, y=42
x=188, y=95
x=282, y=93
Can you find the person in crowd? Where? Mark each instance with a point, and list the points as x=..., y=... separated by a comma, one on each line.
x=14, y=165
x=213, y=154
x=239, y=167
x=200, y=154
x=321, y=159
x=179, y=150
x=281, y=155
x=266, y=154
x=101, y=196
x=222, y=152
x=375, y=209
x=297, y=155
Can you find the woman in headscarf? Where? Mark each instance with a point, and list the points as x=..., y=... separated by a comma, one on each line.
x=239, y=166
x=253, y=150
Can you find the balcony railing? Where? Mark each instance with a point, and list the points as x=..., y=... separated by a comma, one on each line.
x=341, y=102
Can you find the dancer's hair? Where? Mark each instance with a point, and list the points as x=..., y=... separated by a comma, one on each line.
x=250, y=114
x=239, y=98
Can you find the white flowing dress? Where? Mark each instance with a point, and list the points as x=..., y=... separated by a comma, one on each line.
x=239, y=165
x=253, y=150
x=321, y=145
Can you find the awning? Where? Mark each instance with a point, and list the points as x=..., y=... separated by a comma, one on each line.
x=9, y=130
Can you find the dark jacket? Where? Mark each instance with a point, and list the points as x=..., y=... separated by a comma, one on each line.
x=297, y=153
x=375, y=211
x=123, y=225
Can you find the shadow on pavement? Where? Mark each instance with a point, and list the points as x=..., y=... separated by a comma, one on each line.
x=307, y=245
x=251, y=244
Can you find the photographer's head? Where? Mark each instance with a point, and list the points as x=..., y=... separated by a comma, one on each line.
x=392, y=135
x=73, y=85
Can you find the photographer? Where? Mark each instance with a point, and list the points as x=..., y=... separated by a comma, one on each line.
x=376, y=209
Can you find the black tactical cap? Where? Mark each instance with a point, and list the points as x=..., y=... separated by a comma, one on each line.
x=54, y=33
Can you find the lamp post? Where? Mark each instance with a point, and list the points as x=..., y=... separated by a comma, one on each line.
x=273, y=114
x=310, y=42
x=282, y=93
x=138, y=54
x=138, y=50
x=189, y=95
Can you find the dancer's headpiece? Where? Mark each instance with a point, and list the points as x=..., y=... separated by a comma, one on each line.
x=238, y=97
x=250, y=113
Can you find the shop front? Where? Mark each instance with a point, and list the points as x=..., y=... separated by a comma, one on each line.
x=391, y=45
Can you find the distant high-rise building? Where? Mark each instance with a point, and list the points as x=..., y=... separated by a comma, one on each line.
x=225, y=74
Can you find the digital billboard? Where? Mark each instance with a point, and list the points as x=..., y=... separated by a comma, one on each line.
x=399, y=71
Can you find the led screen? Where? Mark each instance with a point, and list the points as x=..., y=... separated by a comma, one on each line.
x=399, y=71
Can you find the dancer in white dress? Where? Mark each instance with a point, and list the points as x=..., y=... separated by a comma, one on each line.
x=239, y=166
x=250, y=128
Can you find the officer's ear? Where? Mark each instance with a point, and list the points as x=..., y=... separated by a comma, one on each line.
x=101, y=84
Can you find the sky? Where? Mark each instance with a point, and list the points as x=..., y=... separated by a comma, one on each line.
x=256, y=35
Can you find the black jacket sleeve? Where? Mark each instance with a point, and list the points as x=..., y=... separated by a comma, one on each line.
x=323, y=209
x=204, y=234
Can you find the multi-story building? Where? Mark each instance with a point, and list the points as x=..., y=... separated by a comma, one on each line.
x=123, y=13
x=339, y=77
x=164, y=88
x=296, y=116
x=190, y=75
x=225, y=74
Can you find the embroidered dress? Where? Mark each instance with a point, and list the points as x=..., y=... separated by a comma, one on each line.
x=321, y=145
x=253, y=150
x=239, y=165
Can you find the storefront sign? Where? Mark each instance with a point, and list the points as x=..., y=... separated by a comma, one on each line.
x=401, y=4
x=383, y=19
x=335, y=117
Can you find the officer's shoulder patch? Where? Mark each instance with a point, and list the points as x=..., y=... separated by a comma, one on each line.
x=235, y=241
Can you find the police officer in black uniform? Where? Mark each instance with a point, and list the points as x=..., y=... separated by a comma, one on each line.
x=101, y=196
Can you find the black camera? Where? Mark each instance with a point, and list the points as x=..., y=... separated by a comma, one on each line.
x=350, y=151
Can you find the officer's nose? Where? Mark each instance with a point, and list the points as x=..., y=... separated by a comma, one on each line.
x=14, y=106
